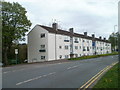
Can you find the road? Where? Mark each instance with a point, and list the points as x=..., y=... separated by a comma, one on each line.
x=71, y=74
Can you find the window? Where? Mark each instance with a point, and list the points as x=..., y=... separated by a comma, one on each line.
x=87, y=48
x=60, y=56
x=42, y=48
x=90, y=47
x=66, y=56
x=79, y=39
x=42, y=57
x=60, y=47
x=80, y=55
x=83, y=40
x=76, y=40
x=66, y=47
x=42, y=35
x=76, y=47
x=80, y=47
x=97, y=47
x=76, y=55
x=84, y=49
x=66, y=39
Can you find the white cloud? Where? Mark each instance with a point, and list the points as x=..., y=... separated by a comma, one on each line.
x=83, y=15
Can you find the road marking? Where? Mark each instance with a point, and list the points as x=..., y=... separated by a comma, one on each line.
x=6, y=72
x=101, y=74
x=59, y=63
x=13, y=71
x=72, y=67
x=26, y=81
x=94, y=78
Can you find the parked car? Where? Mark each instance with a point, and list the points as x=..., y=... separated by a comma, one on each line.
x=25, y=61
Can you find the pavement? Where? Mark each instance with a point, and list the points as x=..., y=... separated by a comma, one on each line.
x=55, y=74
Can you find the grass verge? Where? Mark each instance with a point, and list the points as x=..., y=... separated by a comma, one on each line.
x=110, y=79
x=93, y=56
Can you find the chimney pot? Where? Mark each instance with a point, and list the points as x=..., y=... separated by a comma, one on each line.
x=55, y=26
x=71, y=30
x=85, y=33
x=100, y=37
x=93, y=35
x=104, y=38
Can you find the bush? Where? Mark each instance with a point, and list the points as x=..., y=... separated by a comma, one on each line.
x=93, y=56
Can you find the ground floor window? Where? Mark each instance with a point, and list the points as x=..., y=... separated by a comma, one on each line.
x=42, y=57
x=76, y=55
x=66, y=56
x=60, y=56
x=80, y=55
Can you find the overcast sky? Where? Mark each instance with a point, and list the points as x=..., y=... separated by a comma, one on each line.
x=93, y=16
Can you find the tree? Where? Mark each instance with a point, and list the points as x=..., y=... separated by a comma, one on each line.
x=14, y=26
x=113, y=38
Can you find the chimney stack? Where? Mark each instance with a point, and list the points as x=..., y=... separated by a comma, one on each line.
x=85, y=33
x=55, y=26
x=100, y=37
x=93, y=35
x=104, y=38
x=71, y=30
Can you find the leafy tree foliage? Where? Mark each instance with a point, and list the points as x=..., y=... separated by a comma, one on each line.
x=14, y=26
x=113, y=38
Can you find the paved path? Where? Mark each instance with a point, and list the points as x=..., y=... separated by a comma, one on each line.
x=71, y=74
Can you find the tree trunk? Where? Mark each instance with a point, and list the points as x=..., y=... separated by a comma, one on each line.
x=5, y=59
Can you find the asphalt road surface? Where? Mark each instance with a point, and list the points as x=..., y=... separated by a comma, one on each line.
x=71, y=74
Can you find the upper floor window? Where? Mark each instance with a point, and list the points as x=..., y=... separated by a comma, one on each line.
x=66, y=47
x=42, y=35
x=80, y=47
x=83, y=40
x=76, y=40
x=87, y=48
x=76, y=47
x=60, y=47
x=84, y=49
x=87, y=41
x=42, y=48
x=79, y=39
x=66, y=39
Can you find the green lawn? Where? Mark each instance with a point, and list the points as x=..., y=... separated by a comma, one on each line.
x=110, y=79
x=93, y=56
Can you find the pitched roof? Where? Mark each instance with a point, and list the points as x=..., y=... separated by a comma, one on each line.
x=64, y=32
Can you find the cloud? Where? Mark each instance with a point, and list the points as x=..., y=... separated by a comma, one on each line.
x=83, y=15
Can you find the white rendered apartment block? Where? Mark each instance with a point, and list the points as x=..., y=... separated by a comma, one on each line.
x=50, y=43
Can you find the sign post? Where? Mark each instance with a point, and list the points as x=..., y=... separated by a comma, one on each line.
x=16, y=52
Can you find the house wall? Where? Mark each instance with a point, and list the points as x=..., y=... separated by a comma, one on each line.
x=65, y=53
x=51, y=46
x=53, y=42
x=34, y=42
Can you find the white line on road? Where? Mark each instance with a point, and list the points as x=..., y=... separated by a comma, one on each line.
x=72, y=67
x=13, y=71
x=6, y=72
x=35, y=78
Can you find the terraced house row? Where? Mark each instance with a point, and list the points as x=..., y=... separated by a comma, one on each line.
x=50, y=43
